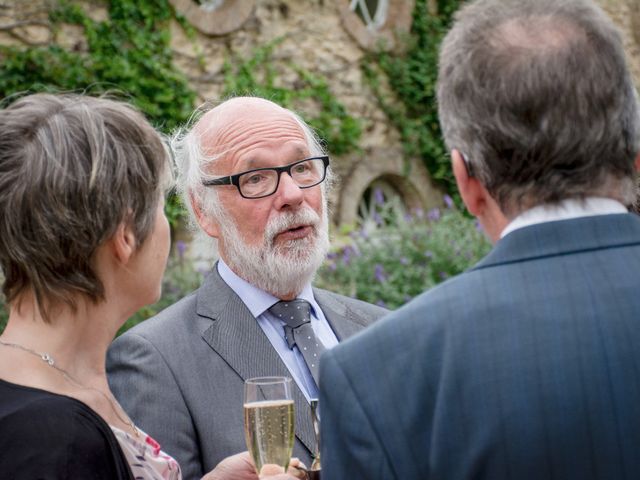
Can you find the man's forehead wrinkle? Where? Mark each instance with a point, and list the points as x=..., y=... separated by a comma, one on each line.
x=238, y=134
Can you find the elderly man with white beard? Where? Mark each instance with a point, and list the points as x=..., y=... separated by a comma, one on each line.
x=255, y=178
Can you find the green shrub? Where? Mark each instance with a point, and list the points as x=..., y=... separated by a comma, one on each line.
x=395, y=257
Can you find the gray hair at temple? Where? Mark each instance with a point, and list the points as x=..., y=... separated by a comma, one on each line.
x=72, y=169
x=192, y=165
x=537, y=95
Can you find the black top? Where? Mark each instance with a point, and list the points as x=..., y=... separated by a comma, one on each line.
x=46, y=436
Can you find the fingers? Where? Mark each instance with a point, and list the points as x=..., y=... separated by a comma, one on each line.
x=297, y=469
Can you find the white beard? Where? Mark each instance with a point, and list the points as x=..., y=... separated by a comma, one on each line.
x=283, y=269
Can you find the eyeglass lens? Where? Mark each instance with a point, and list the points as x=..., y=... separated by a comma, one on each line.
x=264, y=182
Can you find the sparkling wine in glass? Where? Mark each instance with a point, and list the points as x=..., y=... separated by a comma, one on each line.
x=268, y=423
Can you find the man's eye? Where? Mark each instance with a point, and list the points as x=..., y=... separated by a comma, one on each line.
x=254, y=179
x=301, y=168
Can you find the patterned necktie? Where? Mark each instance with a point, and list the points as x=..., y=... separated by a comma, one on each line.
x=298, y=332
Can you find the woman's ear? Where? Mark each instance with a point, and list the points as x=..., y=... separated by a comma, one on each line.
x=123, y=243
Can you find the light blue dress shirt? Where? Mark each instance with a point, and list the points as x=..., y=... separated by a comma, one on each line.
x=258, y=302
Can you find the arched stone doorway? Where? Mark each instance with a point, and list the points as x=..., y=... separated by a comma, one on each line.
x=382, y=172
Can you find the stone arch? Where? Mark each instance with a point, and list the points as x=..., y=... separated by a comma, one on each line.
x=217, y=17
x=412, y=183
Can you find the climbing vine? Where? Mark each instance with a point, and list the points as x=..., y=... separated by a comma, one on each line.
x=128, y=54
x=412, y=77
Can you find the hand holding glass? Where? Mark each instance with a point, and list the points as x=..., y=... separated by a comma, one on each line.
x=268, y=423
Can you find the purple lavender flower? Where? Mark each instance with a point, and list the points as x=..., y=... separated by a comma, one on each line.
x=479, y=227
x=419, y=213
x=380, y=303
x=379, y=273
x=404, y=261
x=428, y=254
x=378, y=196
x=346, y=255
x=434, y=214
x=448, y=201
x=182, y=248
x=377, y=218
x=443, y=275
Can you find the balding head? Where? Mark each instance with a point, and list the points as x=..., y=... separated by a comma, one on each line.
x=538, y=97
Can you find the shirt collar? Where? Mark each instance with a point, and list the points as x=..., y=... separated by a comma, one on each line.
x=257, y=301
x=564, y=210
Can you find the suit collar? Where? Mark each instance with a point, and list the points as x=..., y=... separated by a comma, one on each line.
x=344, y=321
x=562, y=237
x=235, y=335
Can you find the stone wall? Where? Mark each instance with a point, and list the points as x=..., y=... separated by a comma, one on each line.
x=626, y=15
x=316, y=38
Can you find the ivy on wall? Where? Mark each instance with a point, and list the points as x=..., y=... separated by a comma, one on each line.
x=412, y=77
x=127, y=54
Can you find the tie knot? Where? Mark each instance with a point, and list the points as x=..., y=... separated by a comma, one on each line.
x=294, y=313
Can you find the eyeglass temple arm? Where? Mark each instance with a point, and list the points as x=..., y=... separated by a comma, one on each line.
x=218, y=181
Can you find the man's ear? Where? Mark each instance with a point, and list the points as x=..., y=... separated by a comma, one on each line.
x=206, y=222
x=472, y=192
x=123, y=243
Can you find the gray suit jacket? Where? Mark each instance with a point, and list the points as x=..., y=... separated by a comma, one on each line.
x=180, y=374
x=526, y=367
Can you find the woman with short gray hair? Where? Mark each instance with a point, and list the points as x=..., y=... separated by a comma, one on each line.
x=83, y=245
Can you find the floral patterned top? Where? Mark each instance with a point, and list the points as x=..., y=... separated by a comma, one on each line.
x=145, y=458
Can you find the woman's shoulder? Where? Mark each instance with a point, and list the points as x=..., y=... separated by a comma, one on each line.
x=44, y=430
x=40, y=409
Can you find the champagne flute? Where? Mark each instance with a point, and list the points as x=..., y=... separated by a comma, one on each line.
x=268, y=423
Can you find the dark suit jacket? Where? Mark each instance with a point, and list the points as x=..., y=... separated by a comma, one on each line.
x=525, y=367
x=180, y=375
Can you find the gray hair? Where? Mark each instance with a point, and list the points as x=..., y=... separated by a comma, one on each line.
x=193, y=165
x=538, y=97
x=72, y=169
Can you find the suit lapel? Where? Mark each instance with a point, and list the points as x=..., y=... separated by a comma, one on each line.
x=236, y=336
x=343, y=320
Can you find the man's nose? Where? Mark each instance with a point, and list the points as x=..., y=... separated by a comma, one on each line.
x=288, y=192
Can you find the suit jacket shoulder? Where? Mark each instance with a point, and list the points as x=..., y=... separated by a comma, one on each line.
x=180, y=374
x=519, y=368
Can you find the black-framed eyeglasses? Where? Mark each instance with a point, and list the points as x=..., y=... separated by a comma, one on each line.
x=262, y=182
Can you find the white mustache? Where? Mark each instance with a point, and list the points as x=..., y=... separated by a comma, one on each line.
x=288, y=220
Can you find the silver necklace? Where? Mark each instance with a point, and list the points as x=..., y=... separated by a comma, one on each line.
x=48, y=359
